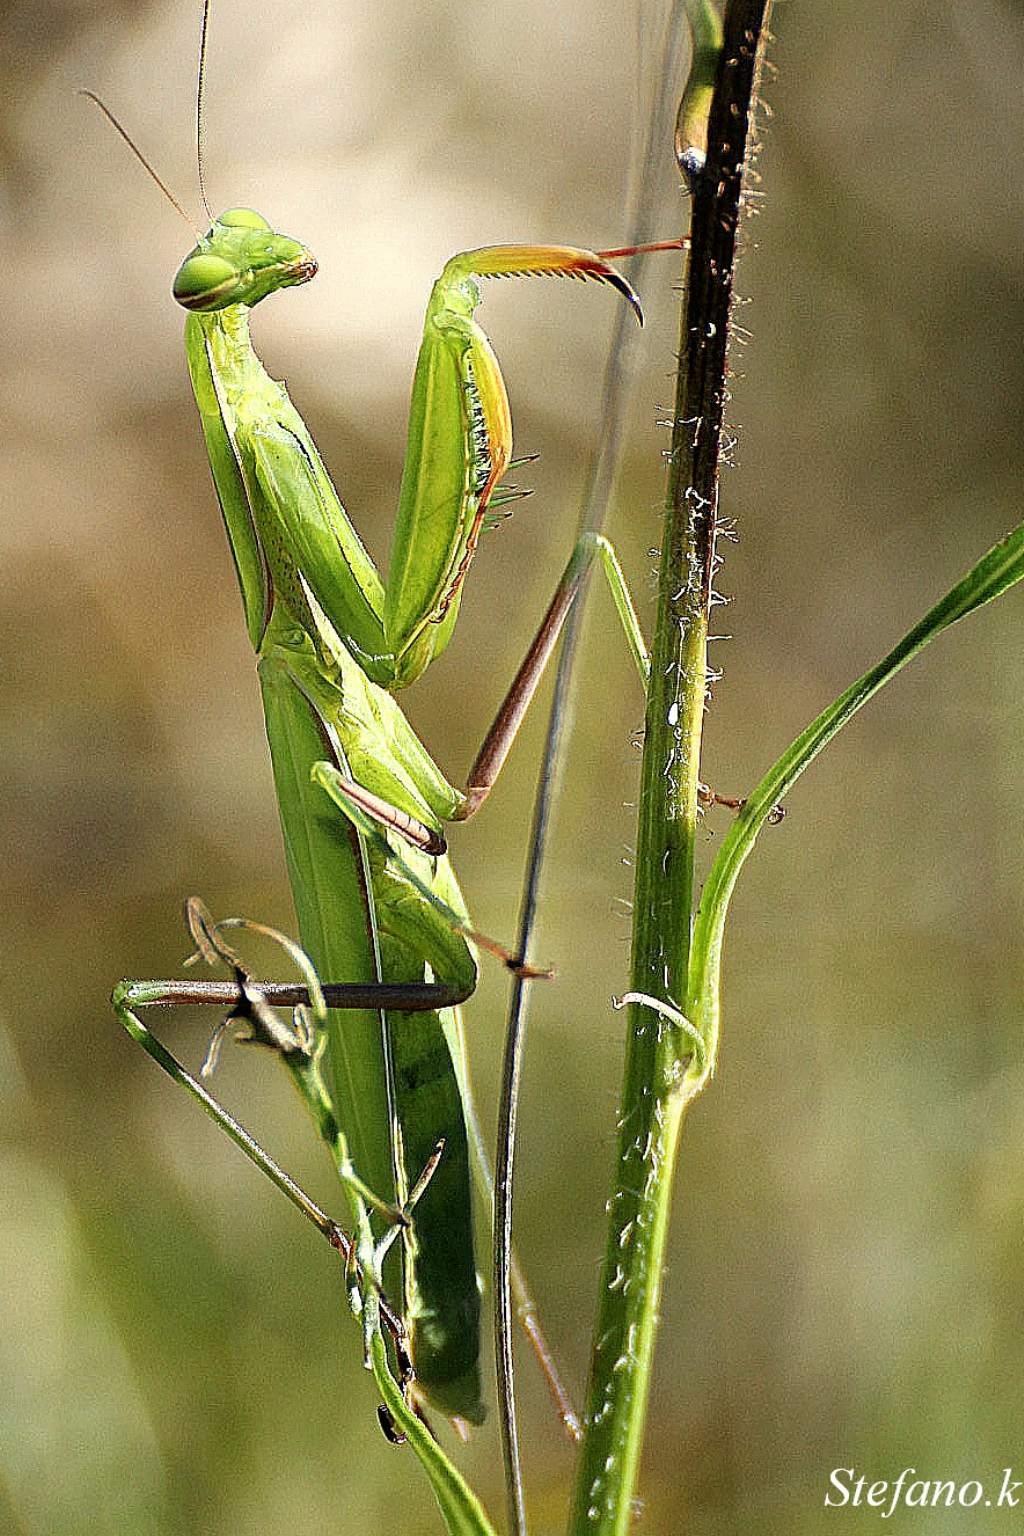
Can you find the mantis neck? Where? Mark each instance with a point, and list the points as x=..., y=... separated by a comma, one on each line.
x=238, y=370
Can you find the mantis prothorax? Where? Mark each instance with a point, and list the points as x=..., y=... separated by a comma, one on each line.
x=362, y=803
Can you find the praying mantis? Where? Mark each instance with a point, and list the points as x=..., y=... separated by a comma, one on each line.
x=362, y=803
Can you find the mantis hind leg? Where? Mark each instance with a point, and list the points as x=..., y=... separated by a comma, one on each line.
x=498, y=742
x=361, y=1260
x=250, y=1012
x=505, y=727
x=128, y=998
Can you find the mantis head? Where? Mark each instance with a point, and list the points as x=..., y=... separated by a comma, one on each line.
x=239, y=261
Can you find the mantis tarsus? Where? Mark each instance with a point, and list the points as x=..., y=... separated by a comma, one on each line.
x=362, y=803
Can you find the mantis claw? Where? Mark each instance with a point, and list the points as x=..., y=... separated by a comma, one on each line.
x=250, y=1011
x=209, y=945
x=514, y=963
x=707, y=796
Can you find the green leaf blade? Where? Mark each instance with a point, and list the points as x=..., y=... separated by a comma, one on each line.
x=995, y=573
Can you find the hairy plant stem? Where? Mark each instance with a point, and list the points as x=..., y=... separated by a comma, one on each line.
x=615, y=399
x=664, y=1070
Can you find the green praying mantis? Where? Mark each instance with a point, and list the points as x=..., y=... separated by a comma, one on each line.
x=363, y=805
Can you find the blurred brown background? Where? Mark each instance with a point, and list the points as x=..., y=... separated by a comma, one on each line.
x=848, y=1255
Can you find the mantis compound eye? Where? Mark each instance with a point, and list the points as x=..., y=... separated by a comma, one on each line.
x=243, y=218
x=205, y=281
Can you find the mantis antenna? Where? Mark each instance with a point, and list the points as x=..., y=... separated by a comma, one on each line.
x=200, y=94
x=140, y=157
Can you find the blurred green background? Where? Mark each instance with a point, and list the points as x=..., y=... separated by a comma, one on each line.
x=848, y=1255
